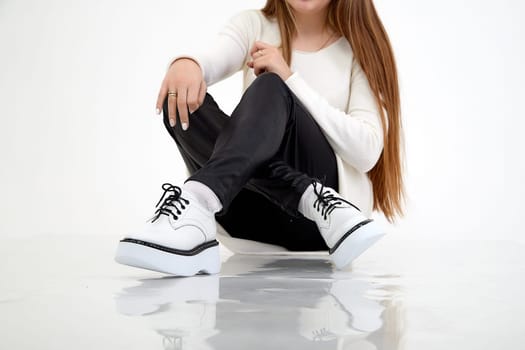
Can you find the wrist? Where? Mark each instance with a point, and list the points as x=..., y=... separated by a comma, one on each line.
x=187, y=58
x=287, y=74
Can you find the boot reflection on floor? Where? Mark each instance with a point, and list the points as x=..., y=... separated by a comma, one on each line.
x=263, y=302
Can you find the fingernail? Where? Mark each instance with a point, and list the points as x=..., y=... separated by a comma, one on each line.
x=172, y=122
x=157, y=111
x=184, y=126
x=191, y=112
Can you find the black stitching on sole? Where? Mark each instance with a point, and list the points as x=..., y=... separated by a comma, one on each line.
x=362, y=223
x=198, y=249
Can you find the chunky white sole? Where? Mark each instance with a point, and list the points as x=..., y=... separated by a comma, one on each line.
x=205, y=259
x=357, y=240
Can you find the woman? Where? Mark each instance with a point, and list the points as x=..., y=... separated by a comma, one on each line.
x=305, y=156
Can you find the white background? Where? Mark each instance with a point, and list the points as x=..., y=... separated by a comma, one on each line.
x=82, y=151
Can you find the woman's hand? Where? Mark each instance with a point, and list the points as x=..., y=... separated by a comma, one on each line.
x=185, y=78
x=268, y=58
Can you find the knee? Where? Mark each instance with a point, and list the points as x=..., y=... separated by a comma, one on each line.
x=207, y=102
x=267, y=81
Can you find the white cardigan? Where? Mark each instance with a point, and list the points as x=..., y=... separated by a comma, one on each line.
x=331, y=85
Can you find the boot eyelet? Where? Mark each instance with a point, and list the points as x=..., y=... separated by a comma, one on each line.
x=173, y=201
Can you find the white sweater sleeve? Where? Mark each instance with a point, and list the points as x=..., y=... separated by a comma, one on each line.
x=356, y=136
x=226, y=52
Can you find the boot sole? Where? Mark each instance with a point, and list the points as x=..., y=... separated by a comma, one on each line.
x=355, y=242
x=204, y=258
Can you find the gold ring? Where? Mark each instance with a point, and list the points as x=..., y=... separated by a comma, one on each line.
x=172, y=93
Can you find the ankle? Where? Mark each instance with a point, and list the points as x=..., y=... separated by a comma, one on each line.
x=205, y=195
x=304, y=202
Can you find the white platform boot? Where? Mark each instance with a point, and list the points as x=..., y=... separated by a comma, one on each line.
x=179, y=239
x=346, y=231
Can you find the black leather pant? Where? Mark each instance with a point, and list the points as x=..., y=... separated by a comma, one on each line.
x=258, y=162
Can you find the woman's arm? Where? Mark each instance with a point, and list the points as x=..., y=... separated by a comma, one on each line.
x=227, y=51
x=356, y=136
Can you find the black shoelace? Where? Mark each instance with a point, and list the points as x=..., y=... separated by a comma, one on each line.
x=170, y=202
x=326, y=202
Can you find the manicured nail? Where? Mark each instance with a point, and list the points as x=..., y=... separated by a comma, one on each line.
x=157, y=111
x=172, y=122
x=184, y=126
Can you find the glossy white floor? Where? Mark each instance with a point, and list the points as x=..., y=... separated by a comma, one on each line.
x=64, y=292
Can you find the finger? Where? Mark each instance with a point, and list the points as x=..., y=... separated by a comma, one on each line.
x=162, y=95
x=258, y=45
x=202, y=92
x=171, y=108
x=258, y=53
x=193, y=96
x=260, y=65
x=182, y=106
x=253, y=49
x=258, y=69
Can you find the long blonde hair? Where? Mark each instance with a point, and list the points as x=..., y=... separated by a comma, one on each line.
x=359, y=22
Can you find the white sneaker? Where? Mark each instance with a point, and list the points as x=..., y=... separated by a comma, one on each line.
x=179, y=239
x=346, y=231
